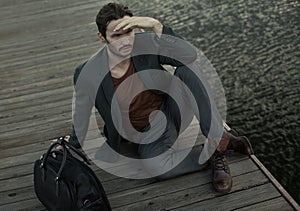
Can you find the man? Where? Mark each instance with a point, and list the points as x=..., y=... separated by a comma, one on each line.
x=116, y=64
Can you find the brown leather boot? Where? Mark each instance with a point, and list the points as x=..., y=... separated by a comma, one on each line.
x=222, y=180
x=239, y=144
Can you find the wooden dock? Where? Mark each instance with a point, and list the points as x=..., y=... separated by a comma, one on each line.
x=41, y=44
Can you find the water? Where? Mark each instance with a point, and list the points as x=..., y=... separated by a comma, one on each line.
x=255, y=47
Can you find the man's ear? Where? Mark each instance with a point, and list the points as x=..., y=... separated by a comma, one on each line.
x=101, y=38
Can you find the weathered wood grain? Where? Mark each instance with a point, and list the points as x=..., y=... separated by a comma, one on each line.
x=273, y=204
x=184, y=192
x=236, y=199
x=13, y=178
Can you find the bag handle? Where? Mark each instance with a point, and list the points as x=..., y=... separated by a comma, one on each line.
x=61, y=139
x=43, y=164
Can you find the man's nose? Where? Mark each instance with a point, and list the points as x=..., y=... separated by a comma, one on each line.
x=125, y=40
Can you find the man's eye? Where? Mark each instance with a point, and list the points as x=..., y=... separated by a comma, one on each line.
x=118, y=35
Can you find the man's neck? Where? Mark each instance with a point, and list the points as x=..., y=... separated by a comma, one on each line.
x=118, y=65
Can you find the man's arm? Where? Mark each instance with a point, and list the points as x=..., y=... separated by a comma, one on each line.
x=141, y=23
x=81, y=109
x=173, y=50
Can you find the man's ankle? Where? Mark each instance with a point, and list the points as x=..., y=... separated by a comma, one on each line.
x=223, y=144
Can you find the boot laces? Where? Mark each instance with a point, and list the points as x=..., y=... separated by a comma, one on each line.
x=220, y=162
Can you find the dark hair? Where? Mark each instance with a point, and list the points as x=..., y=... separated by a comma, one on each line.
x=109, y=12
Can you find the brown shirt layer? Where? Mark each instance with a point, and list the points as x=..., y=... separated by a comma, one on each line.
x=142, y=104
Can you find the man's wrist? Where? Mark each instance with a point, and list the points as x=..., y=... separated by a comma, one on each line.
x=157, y=27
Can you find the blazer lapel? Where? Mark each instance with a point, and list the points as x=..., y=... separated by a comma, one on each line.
x=107, y=83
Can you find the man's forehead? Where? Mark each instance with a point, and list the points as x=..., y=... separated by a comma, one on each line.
x=112, y=24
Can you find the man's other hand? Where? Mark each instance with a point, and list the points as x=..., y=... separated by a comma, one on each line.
x=58, y=147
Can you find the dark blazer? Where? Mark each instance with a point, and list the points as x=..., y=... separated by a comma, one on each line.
x=94, y=87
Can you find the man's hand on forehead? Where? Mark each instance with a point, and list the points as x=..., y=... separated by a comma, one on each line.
x=141, y=23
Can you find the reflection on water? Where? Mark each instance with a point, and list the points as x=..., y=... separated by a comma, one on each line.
x=255, y=47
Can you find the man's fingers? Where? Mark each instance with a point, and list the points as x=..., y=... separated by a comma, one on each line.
x=136, y=22
x=66, y=138
x=52, y=141
x=130, y=26
x=121, y=25
x=59, y=147
x=125, y=23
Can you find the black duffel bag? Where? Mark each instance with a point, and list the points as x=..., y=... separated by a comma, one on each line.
x=62, y=182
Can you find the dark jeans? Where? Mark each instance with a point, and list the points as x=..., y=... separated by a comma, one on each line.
x=166, y=158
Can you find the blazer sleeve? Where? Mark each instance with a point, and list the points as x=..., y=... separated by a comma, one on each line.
x=81, y=106
x=173, y=50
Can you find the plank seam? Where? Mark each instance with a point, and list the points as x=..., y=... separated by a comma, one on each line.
x=221, y=195
x=256, y=203
x=186, y=189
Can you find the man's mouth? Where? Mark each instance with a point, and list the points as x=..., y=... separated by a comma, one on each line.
x=125, y=47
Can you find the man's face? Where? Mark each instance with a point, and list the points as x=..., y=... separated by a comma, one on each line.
x=121, y=41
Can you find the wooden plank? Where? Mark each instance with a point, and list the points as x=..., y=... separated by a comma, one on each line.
x=236, y=199
x=28, y=205
x=47, y=68
x=174, y=185
x=278, y=203
x=42, y=18
x=37, y=99
x=16, y=182
x=33, y=142
x=33, y=109
x=13, y=121
x=46, y=53
x=36, y=121
x=80, y=33
x=31, y=8
x=34, y=87
x=32, y=127
x=50, y=123
x=16, y=171
x=13, y=67
x=184, y=192
x=57, y=130
x=278, y=186
x=122, y=184
x=54, y=13
x=20, y=194
x=189, y=180
x=22, y=159
x=110, y=183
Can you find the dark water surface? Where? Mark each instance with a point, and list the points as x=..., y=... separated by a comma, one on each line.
x=255, y=47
